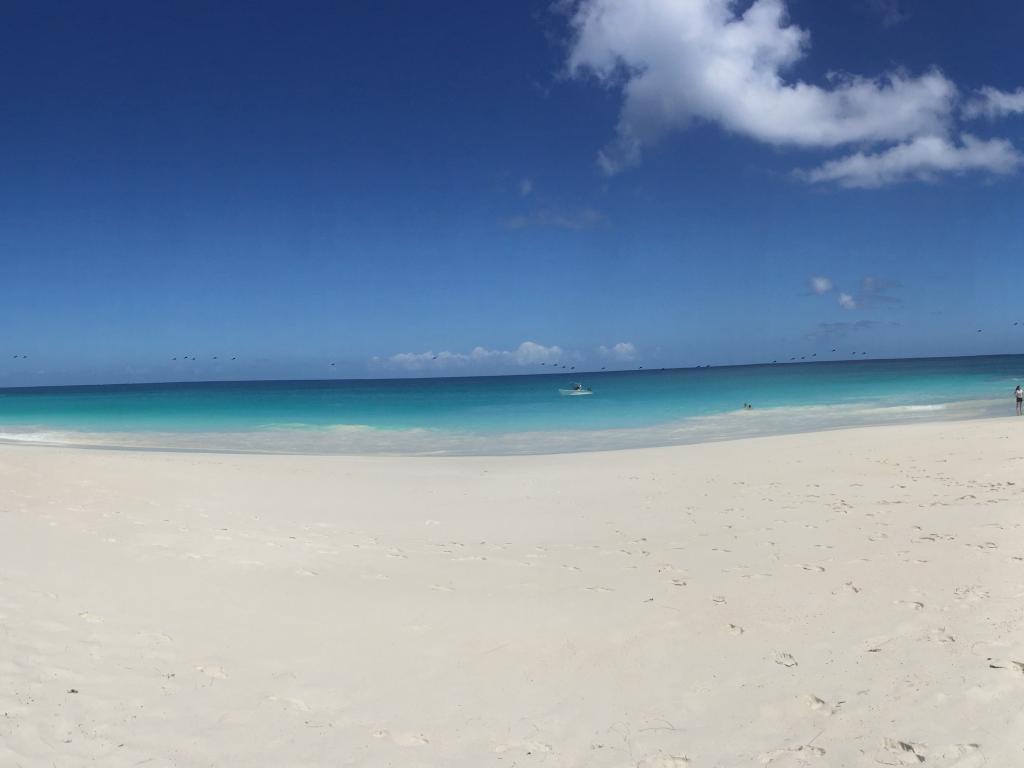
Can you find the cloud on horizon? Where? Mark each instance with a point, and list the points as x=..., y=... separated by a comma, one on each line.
x=624, y=351
x=527, y=353
x=677, y=63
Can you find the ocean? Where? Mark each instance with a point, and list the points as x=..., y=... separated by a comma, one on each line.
x=512, y=414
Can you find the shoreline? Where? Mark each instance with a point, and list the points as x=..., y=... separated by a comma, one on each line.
x=358, y=440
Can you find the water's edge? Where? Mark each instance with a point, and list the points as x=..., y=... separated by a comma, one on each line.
x=370, y=441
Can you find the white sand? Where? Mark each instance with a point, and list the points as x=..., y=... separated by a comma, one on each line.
x=850, y=598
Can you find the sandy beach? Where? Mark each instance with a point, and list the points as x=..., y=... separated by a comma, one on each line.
x=846, y=598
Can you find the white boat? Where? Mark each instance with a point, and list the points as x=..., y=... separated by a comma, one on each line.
x=576, y=391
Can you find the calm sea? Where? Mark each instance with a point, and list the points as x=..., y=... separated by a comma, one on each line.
x=512, y=414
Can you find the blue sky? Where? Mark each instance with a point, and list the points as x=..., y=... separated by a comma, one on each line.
x=496, y=185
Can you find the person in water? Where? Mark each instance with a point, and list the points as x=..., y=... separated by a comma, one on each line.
x=1019, y=394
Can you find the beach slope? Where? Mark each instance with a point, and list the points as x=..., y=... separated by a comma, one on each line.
x=846, y=598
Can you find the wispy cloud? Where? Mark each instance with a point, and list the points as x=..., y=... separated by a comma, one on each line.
x=839, y=330
x=584, y=218
x=876, y=290
x=525, y=187
x=924, y=158
x=623, y=351
x=527, y=353
x=993, y=103
x=890, y=12
x=819, y=284
x=871, y=291
x=704, y=60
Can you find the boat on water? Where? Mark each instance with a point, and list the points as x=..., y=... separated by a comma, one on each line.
x=576, y=391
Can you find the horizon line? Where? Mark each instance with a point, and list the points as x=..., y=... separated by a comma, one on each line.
x=638, y=369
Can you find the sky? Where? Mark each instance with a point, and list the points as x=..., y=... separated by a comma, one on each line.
x=387, y=188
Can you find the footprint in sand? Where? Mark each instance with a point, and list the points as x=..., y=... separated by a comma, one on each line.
x=797, y=755
x=529, y=747
x=785, y=659
x=913, y=605
x=962, y=756
x=896, y=752
x=970, y=593
x=679, y=582
x=571, y=568
x=214, y=673
x=735, y=629
x=814, y=568
x=90, y=617
x=1014, y=666
x=940, y=635
x=664, y=761
x=818, y=704
x=599, y=589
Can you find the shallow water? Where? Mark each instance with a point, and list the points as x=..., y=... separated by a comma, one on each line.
x=512, y=414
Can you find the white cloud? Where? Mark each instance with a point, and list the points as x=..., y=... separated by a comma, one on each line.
x=525, y=187
x=624, y=351
x=679, y=61
x=992, y=103
x=846, y=301
x=922, y=158
x=527, y=353
x=820, y=285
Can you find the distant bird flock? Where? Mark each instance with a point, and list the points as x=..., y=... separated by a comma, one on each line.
x=553, y=365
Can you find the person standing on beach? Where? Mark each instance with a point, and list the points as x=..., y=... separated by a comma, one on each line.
x=1019, y=394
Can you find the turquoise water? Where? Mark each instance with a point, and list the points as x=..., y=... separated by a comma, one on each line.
x=512, y=413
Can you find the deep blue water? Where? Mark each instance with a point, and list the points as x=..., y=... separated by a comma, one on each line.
x=496, y=406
